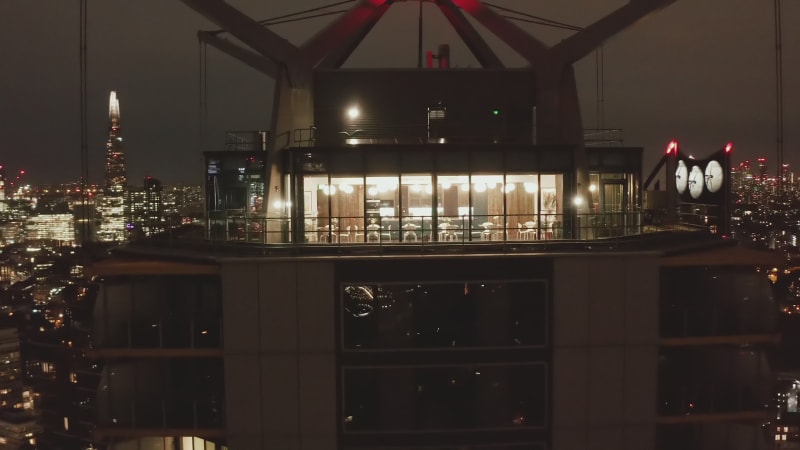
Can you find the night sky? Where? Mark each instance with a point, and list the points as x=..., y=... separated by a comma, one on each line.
x=700, y=71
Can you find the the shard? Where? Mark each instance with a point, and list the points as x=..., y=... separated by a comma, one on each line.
x=116, y=178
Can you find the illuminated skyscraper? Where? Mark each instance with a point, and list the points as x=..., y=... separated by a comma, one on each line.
x=143, y=207
x=116, y=179
x=2, y=188
x=762, y=168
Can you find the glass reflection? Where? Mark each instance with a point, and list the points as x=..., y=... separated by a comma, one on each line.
x=445, y=398
x=444, y=315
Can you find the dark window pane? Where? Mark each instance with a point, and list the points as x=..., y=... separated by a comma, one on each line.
x=445, y=398
x=455, y=315
x=537, y=446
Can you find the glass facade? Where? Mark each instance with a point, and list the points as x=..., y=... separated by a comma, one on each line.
x=427, y=208
x=444, y=316
x=449, y=362
x=418, y=194
x=718, y=301
x=159, y=312
x=235, y=196
x=711, y=362
x=176, y=320
x=438, y=398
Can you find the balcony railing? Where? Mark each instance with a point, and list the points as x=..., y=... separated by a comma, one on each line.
x=233, y=226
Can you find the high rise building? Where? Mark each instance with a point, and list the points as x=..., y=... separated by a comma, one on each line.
x=112, y=217
x=116, y=178
x=11, y=387
x=489, y=287
x=763, y=170
x=3, y=180
x=18, y=426
x=144, y=207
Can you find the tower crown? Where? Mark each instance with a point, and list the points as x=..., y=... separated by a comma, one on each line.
x=113, y=106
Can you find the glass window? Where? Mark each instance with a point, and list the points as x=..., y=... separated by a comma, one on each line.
x=453, y=206
x=522, y=205
x=382, y=209
x=417, y=206
x=487, y=207
x=347, y=209
x=440, y=315
x=436, y=398
x=551, y=200
x=316, y=206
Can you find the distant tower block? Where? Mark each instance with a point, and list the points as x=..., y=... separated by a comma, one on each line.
x=116, y=178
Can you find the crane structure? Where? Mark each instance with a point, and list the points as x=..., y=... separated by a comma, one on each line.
x=557, y=117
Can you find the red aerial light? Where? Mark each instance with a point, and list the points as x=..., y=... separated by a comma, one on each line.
x=673, y=146
x=22, y=172
x=728, y=147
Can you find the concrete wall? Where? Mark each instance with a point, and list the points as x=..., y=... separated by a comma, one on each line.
x=280, y=362
x=605, y=353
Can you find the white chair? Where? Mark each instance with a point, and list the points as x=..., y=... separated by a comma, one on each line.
x=373, y=232
x=345, y=235
x=530, y=230
x=411, y=233
x=387, y=235
x=486, y=234
x=358, y=237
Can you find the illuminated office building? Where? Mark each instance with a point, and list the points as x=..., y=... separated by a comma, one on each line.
x=55, y=227
x=3, y=181
x=143, y=207
x=18, y=426
x=116, y=176
x=18, y=430
x=374, y=281
x=111, y=210
x=763, y=171
x=11, y=383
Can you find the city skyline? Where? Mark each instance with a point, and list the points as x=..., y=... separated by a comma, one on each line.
x=698, y=73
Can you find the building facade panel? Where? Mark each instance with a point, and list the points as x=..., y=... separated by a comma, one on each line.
x=571, y=303
x=317, y=391
x=244, y=408
x=241, y=320
x=277, y=299
x=641, y=300
x=314, y=281
x=597, y=379
x=607, y=298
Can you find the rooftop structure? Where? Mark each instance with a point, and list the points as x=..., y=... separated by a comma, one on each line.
x=442, y=267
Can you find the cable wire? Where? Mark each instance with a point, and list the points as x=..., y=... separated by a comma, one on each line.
x=538, y=19
x=84, y=147
x=278, y=22
x=318, y=8
x=291, y=17
x=543, y=23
